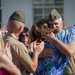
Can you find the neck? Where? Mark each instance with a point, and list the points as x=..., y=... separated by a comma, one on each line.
x=16, y=34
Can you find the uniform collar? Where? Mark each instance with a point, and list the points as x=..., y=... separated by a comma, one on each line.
x=11, y=34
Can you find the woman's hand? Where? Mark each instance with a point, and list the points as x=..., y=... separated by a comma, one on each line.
x=7, y=51
x=38, y=47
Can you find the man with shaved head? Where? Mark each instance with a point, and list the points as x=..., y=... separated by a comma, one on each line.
x=20, y=55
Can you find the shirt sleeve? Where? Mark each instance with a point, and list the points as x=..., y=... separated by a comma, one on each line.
x=1, y=45
x=23, y=56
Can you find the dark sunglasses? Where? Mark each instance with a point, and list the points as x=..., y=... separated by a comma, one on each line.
x=25, y=35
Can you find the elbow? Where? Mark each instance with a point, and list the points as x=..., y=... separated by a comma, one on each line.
x=71, y=51
x=70, y=54
x=32, y=70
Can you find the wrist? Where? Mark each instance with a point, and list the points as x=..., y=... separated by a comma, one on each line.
x=52, y=40
x=36, y=54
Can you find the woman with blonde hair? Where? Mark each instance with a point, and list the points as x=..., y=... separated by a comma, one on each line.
x=6, y=65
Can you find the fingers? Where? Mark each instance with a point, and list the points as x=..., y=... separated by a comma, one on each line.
x=38, y=47
x=7, y=45
x=37, y=44
x=41, y=45
x=7, y=51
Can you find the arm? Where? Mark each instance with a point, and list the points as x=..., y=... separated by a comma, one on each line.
x=5, y=62
x=46, y=52
x=31, y=64
x=8, y=65
x=66, y=49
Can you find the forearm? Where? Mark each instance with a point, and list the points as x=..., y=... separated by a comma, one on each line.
x=35, y=61
x=37, y=49
x=9, y=66
x=30, y=64
x=46, y=52
x=66, y=49
x=32, y=67
x=13, y=71
x=43, y=54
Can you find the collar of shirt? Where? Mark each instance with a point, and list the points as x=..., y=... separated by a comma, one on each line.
x=11, y=34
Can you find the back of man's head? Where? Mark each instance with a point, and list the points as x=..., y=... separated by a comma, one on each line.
x=54, y=15
x=16, y=21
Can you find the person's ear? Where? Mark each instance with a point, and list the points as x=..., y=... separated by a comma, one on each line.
x=20, y=29
x=62, y=22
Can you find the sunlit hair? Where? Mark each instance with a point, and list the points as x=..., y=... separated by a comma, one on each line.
x=39, y=29
x=1, y=45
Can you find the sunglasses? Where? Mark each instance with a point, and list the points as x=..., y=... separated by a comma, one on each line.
x=25, y=35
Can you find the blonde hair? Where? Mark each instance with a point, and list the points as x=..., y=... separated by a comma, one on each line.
x=39, y=29
x=1, y=45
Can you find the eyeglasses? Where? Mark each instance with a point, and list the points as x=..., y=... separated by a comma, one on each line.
x=25, y=35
